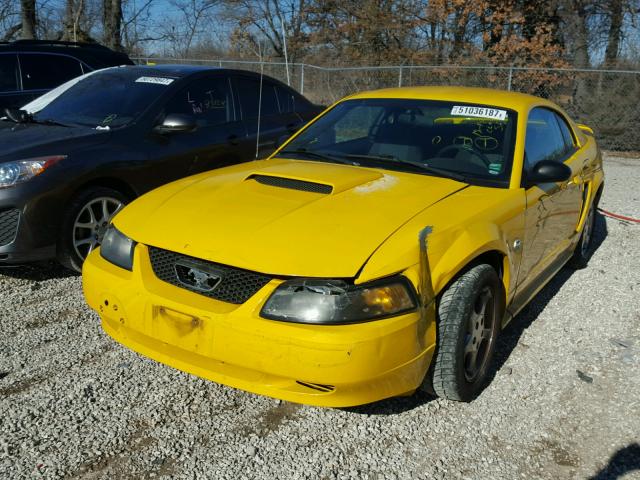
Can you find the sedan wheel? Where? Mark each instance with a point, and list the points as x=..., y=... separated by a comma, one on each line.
x=85, y=222
x=92, y=223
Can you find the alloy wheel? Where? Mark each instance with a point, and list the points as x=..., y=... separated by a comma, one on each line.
x=479, y=335
x=587, y=232
x=92, y=222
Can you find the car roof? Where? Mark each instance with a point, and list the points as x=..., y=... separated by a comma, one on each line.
x=93, y=54
x=483, y=96
x=177, y=70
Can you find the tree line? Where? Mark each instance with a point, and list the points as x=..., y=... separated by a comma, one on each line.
x=546, y=33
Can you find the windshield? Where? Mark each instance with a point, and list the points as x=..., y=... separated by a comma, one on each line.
x=472, y=142
x=111, y=98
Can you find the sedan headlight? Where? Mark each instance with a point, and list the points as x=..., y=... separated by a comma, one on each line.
x=117, y=248
x=23, y=170
x=330, y=302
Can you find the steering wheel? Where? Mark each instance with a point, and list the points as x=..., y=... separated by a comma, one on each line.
x=466, y=148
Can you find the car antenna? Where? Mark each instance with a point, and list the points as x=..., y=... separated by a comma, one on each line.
x=259, y=101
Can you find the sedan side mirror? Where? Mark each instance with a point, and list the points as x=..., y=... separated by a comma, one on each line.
x=548, y=171
x=175, y=123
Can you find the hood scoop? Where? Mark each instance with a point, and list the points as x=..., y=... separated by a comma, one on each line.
x=292, y=183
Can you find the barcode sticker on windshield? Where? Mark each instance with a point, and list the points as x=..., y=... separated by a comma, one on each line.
x=155, y=80
x=479, y=112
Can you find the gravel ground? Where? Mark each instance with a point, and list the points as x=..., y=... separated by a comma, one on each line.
x=564, y=402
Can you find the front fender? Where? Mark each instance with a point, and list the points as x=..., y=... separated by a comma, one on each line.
x=464, y=227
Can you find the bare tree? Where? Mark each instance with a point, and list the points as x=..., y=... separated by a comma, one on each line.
x=28, y=15
x=274, y=21
x=182, y=29
x=112, y=23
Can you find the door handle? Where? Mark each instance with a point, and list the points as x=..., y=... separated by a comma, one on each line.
x=293, y=127
x=233, y=139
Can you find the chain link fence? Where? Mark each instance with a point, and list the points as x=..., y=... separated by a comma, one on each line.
x=606, y=100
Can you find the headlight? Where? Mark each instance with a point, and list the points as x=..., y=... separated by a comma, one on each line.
x=117, y=248
x=23, y=170
x=331, y=302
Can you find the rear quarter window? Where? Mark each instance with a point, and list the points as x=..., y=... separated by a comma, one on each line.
x=46, y=71
x=8, y=73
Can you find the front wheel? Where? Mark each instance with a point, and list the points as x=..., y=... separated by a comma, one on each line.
x=469, y=314
x=85, y=223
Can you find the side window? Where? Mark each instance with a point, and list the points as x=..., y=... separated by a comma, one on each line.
x=544, y=140
x=8, y=73
x=249, y=93
x=290, y=101
x=42, y=71
x=566, y=133
x=207, y=99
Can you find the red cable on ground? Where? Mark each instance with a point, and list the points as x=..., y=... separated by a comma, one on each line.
x=619, y=217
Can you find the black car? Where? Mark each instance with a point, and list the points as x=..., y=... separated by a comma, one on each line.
x=68, y=167
x=29, y=68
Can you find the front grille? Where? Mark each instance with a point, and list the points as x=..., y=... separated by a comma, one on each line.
x=8, y=226
x=234, y=285
x=292, y=184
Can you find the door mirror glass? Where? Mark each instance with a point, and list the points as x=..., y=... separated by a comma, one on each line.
x=548, y=171
x=176, y=122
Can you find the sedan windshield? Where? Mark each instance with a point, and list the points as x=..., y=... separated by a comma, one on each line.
x=111, y=98
x=449, y=139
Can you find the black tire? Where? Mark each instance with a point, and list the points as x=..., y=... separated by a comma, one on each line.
x=68, y=254
x=584, y=247
x=473, y=298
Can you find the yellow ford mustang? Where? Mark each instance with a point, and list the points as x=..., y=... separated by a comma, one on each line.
x=379, y=250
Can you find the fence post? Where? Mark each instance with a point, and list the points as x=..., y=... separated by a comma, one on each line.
x=400, y=77
x=510, y=77
x=302, y=78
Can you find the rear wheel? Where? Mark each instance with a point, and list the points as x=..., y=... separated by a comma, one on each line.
x=582, y=253
x=469, y=315
x=85, y=223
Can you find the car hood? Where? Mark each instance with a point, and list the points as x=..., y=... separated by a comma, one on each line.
x=23, y=140
x=260, y=216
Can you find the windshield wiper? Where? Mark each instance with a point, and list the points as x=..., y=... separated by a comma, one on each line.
x=319, y=156
x=47, y=121
x=16, y=115
x=419, y=165
x=22, y=116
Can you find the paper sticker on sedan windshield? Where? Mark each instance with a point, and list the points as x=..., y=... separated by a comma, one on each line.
x=156, y=80
x=480, y=112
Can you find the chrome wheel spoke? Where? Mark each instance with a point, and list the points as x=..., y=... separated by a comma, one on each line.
x=486, y=334
x=83, y=241
x=105, y=210
x=88, y=225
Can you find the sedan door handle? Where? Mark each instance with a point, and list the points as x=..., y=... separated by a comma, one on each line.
x=293, y=127
x=233, y=139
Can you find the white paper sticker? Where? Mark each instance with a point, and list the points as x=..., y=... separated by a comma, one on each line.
x=155, y=80
x=479, y=112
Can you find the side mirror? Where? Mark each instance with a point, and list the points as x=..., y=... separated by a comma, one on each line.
x=175, y=123
x=548, y=171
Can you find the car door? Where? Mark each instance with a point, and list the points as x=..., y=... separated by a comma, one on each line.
x=215, y=141
x=11, y=95
x=552, y=209
x=42, y=72
x=274, y=123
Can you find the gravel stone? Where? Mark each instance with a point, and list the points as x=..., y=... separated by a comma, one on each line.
x=75, y=404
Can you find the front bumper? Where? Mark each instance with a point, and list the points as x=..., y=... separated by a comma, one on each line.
x=29, y=221
x=333, y=366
